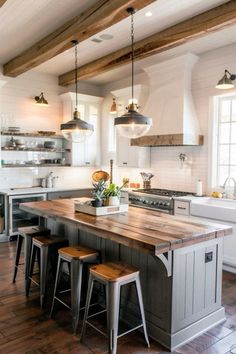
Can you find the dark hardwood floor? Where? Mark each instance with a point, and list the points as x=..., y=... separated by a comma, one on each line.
x=24, y=328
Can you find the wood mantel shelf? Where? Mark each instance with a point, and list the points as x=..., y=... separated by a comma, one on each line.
x=148, y=231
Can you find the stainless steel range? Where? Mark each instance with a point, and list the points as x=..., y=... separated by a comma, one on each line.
x=155, y=199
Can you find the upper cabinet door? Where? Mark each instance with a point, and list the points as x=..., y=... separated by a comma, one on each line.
x=132, y=156
x=86, y=153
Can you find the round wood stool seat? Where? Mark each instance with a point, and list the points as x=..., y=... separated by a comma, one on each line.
x=75, y=257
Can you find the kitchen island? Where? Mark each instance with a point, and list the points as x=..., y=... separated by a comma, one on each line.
x=180, y=263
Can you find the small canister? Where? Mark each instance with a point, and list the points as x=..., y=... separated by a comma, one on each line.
x=43, y=182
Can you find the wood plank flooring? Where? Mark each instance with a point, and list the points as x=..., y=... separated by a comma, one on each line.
x=25, y=329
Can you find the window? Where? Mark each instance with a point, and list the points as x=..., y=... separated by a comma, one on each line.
x=224, y=140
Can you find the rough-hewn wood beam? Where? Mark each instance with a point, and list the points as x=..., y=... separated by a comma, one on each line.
x=2, y=2
x=100, y=16
x=197, y=26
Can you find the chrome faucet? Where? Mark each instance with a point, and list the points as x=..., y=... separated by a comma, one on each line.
x=232, y=179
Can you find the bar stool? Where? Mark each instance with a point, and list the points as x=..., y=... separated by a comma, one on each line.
x=26, y=234
x=46, y=245
x=75, y=257
x=113, y=275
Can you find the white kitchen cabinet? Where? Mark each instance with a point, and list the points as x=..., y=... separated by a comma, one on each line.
x=132, y=156
x=229, y=243
x=127, y=155
x=86, y=153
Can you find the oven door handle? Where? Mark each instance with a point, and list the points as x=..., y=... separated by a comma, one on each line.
x=10, y=218
x=166, y=211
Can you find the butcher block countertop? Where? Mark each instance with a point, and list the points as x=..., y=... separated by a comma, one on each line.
x=148, y=231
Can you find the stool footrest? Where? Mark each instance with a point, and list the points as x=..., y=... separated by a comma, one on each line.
x=63, y=291
x=97, y=329
x=34, y=281
x=62, y=302
x=97, y=313
x=130, y=330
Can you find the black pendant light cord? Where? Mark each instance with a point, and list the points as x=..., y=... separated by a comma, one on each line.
x=75, y=42
x=132, y=55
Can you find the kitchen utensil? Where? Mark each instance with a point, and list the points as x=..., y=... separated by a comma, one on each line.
x=146, y=176
x=98, y=175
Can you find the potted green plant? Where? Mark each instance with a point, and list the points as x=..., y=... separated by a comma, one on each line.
x=98, y=193
x=112, y=194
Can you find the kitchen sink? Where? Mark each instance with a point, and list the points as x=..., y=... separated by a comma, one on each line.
x=214, y=208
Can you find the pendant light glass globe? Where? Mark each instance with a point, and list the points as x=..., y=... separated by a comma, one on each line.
x=132, y=124
x=76, y=130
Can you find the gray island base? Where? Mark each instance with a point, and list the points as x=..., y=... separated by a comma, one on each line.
x=180, y=264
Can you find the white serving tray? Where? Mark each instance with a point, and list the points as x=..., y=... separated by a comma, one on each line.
x=104, y=210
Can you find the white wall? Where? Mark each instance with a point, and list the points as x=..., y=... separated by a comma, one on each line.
x=18, y=108
x=165, y=165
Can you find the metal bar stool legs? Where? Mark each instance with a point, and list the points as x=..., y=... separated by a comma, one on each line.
x=25, y=235
x=113, y=275
x=113, y=306
x=17, y=258
x=76, y=282
x=43, y=245
x=75, y=257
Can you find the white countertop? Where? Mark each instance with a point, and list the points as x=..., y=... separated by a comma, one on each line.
x=36, y=190
x=188, y=198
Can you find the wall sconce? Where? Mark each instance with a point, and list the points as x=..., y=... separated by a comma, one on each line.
x=40, y=100
x=183, y=157
x=226, y=81
x=113, y=109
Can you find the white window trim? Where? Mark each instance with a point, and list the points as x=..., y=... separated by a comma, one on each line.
x=213, y=138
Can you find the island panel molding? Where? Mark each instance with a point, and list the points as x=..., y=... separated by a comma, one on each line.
x=212, y=20
x=103, y=14
x=148, y=231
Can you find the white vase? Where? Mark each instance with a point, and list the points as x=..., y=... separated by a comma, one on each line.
x=113, y=201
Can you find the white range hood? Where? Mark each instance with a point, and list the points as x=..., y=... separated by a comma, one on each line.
x=170, y=104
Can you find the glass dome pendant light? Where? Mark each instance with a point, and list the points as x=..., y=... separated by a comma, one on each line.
x=132, y=124
x=76, y=130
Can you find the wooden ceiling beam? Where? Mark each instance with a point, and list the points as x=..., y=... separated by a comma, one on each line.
x=2, y=2
x=195, y=27
x=97, y=18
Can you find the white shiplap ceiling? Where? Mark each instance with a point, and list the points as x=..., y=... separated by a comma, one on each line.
x=23, y=22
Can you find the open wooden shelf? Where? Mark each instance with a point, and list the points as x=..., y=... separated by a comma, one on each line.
x=35, y=149
x=35, y=165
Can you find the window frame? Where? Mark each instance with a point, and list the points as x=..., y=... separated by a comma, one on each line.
x=214, y=138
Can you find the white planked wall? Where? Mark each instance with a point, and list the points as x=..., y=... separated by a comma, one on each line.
x=18, y=108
